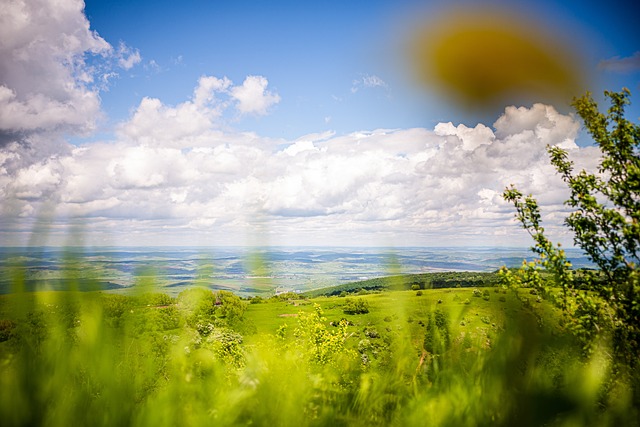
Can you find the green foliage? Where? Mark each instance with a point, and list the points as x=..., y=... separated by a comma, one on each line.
x=155, y=299
x=229, y=306
x=410, y=281
x=605, y=222
x=88, y=358
x=199, y=303
x=356, y=306
x=206, y=306
x=313, y=337
x=437, y=341
x=115, y=306
x=286, y=296
x=67, y=363
x=6, y=329
x=606, y=219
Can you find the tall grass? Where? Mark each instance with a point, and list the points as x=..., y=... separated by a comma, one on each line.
x=91, y=358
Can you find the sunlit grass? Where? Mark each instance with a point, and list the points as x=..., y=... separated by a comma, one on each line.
x=434, y=357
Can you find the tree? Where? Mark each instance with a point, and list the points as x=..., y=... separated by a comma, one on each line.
x=605, y=222
x=230, y=306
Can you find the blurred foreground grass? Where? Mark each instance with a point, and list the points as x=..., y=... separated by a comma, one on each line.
x=445, y=357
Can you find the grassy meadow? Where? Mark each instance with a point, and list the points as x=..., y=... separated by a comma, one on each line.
x=391, y=356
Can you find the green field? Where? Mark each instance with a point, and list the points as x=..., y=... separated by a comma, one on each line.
x=453, y=356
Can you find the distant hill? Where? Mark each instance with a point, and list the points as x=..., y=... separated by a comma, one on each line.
x=424, y=281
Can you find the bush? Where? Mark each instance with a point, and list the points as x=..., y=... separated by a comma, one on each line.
x=6, y=329
x=371, y=333
x=205, y=306
x=155, y=299
x=356, y=306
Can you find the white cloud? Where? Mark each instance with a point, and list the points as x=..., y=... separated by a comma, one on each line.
x=207, y=87
x=471, y=138
x=299, y=147
x=173, y=175
x=155, y=123
x=195, y=122
x=253, y=96
x=37, y=111
x=128, y=57
x=45, y=83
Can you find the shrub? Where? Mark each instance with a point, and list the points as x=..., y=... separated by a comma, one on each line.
x=356, y=306
x=371, y=333
x=6, y=329
x=605, y=222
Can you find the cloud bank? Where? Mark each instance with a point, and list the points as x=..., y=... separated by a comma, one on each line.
x=177, y=175
x=172, y=176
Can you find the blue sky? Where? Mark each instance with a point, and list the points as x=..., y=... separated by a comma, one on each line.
x=295, y=123
x=312, y=53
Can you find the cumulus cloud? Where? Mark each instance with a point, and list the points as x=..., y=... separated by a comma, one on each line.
x=52, y=69
x=128, y=57
x=45, y=82
x=629, y=64
x=156, y=123
x=173, y=173
x=196, y=121
x=207, y=87
x=253, y=97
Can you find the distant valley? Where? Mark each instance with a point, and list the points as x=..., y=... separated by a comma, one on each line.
x=260, y=271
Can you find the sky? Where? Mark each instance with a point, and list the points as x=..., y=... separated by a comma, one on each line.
x=207, y=123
